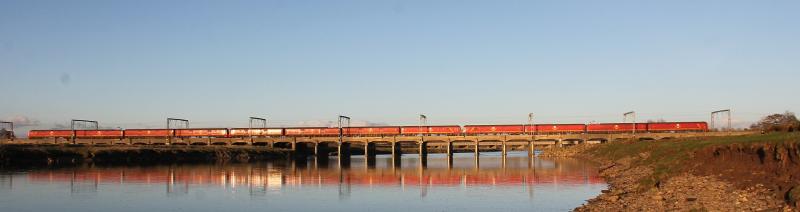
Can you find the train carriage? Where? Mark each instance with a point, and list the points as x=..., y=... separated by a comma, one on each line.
x=311, y=131
x=371, y=131
x=494, y=129
x=615, y=127
x=678, y=127
x=202, y=132
x=445, y=130
x=560, y=128
x=98, y=134
x=431, y=130
x=148, y=133
x=248, y=132
x=39, y=134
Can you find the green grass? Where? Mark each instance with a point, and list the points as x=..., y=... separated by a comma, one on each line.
x=667, y=157
x=794, y=194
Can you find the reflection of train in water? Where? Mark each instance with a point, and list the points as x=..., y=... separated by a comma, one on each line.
x=248, y=176
x=598, y=128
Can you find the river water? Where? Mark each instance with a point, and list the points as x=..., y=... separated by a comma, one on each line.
x=491, y=184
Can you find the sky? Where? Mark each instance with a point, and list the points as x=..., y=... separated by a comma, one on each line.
x=132, y=64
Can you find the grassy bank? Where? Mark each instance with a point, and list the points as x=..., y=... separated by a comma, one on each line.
x=671, y=157
x=721, y=173
x=20, y=155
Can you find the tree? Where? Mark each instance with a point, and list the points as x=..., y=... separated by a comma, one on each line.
x=778, y=122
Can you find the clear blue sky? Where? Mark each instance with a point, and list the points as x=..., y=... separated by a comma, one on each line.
x=134, y=63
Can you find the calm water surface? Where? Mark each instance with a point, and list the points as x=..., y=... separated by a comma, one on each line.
x=491, y=184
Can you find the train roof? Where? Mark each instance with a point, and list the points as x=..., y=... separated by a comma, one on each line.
x=309, y=128
x=481, y=125
x=51, y=130
x=618, y=123
x=677, y=122
x=149, y=129
x=198, y=129
x=432, y=126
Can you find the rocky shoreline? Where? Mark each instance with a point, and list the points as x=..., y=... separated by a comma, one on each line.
x=685, y=192
x=761, y=177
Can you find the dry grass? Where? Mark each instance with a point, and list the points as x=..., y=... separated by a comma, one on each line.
x=669, y=157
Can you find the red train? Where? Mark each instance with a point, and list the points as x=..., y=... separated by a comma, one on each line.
x=615, y=127
x=677, y=126
x=206, y=132
x=311, y=131
x=147, y=133
x=431, y=130
x=371, y=131
x=246, y=132
x=559, y=128
x=509, y=129
x=494, y=129
x=50, y=134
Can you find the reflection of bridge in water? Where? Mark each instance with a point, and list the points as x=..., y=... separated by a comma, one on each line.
x=273, y=177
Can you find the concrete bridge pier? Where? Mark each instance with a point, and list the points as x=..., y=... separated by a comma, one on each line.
x=531, y=149
x=369, y=154
x=423, y=149
x=477, y=155
x=423, y=154
x=397, y=153
x=504, y=149
x=449, y=150
x=449, y=155
x=344, y=154
x=477, y=149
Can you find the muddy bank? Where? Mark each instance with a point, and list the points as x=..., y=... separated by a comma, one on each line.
x=742, y=174
x=566, y=151
x=22, y=155
x=775, y=166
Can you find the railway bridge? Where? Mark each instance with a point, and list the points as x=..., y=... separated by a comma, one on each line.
x=343, y=147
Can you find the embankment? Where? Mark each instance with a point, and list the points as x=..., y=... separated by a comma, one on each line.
x=742, y=173
x=21, y=155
